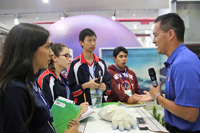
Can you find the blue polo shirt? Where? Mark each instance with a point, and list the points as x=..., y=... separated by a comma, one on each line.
x=183, y=85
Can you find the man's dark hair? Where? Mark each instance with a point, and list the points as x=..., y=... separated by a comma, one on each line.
x=118, y=49
x=172, y=21
x=86, y=32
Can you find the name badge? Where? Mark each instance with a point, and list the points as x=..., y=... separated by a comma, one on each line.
x=128, y=92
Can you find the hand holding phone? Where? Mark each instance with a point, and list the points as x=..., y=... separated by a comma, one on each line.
x=98, y=80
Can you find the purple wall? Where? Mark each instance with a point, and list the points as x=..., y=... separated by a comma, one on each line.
x=109, y=33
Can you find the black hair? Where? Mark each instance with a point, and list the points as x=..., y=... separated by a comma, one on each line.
x=57, y=48
x=172, y=21
x=18, y=49
x=118, y=49
x=86, y=32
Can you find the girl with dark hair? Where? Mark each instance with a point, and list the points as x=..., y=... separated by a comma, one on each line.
x=52, y=82
x=23, y=107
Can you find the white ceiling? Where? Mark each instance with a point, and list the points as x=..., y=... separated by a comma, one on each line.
x=23, y=9
x=37, y=6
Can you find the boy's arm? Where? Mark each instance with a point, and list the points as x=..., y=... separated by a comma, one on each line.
x=107, y=79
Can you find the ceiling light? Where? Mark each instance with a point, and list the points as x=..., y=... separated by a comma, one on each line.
x=16, y=21
x=62, y=17
x=134, y=26
x=46, y=1
x=113, y=18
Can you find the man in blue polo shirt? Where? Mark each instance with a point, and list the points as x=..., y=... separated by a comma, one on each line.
x=182, y=92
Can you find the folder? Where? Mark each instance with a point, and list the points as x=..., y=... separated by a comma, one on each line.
x=63, y=111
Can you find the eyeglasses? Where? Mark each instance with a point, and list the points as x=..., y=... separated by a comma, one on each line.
x=66, y=55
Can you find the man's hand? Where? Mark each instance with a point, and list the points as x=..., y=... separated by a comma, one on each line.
x=102, y=86
x=132, y=99
x=143, y=98
x=91, y=84
x=149, y=96
x=155, y=90
x=84, y=106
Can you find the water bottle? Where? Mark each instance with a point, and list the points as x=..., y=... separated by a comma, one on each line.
x=99, y=96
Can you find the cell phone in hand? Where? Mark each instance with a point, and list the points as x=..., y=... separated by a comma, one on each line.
x=98, y=80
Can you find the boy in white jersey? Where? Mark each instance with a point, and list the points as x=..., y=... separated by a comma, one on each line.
x=86, y=68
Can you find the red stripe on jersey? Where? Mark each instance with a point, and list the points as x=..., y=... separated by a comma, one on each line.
x=77, y=93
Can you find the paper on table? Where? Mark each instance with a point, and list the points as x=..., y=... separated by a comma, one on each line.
x=86, y=114
x=133, y=105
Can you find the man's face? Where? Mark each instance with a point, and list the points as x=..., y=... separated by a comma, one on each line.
x=120, y=60
x=89, y=43
x=160, y=39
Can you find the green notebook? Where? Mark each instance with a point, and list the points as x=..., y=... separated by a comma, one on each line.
x=63, y=111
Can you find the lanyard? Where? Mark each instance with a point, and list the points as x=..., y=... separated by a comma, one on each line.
x=89, y=71
x=66, y=87
x=40, y=95
x=122, y=75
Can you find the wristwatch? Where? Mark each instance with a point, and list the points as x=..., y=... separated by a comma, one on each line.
x=156, y=98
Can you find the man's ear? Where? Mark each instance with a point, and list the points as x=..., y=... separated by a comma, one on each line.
x=81, y=43
x=114, y=58
x=171, y=34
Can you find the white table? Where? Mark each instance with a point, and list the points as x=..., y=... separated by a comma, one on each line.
x=94, y=124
